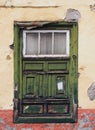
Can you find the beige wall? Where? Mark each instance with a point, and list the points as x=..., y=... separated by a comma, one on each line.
x=46, y=10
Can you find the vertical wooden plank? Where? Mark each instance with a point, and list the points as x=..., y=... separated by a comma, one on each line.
x=24, y=87
x=53, y=86
x=44, y=85
x=73, y=70
x=45, y=79
x=49, y=85
x=35, y=84
x=16, y=61
x=75, y=65
x=41, y=85
x=30, y=84
x=67, y=85
x=21, y=63
x=74, y=62
x=16, y=72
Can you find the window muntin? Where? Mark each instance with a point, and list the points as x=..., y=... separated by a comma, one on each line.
x=44, y=43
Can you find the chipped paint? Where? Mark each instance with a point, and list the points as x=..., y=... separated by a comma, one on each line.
x=91, y=91
x=86, y=121
x=8, y=57
x=92, y=7
x=72, y=15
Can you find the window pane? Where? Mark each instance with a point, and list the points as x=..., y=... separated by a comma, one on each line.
x=59, y=43
x=46, y=43
x=32, y=43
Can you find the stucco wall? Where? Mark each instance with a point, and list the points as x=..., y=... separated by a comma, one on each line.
x=46, y=10
x=86, y=121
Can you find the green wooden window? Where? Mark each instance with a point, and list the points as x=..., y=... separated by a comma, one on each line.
x=45, y=72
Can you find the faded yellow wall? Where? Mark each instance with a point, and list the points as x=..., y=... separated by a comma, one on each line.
x=46, y=10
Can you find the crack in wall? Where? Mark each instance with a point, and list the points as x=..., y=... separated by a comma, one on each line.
x=28, y=4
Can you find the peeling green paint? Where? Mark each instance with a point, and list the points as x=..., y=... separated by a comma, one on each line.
x=44, y=75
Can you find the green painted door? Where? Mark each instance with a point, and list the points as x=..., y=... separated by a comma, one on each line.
x=46, y=72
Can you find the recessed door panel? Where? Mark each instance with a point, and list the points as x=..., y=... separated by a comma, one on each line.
x=33, y=66
x=57, y=66
x=33, y=109
x=30, y=85
x=58, y=108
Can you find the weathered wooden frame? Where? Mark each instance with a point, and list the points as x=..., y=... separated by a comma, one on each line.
x=45, y=31
x=73, y=75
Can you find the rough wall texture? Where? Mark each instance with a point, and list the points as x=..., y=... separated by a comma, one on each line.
x=44, y=3
x=91, y=91
x=86, y=121
x=46, y=10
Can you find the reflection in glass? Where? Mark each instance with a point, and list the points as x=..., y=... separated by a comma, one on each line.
x=59, y=43
x=32, y=43
x=45, y=43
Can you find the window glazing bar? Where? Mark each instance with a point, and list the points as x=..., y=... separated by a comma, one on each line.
x=52, y=42
x=38, y=43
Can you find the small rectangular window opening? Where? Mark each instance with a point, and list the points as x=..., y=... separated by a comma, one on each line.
x=44, y=43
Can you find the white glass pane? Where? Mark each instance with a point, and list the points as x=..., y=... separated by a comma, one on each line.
x=45, y=43
x=31, y=43
x=59, y=43
x=60, y=85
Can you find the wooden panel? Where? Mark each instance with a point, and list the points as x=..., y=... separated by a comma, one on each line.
x=34, y=85
x=33, y=66
x=58, y=108
x=29, y=85
x=57, y=66
x=40, y=86
x=33, y=109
